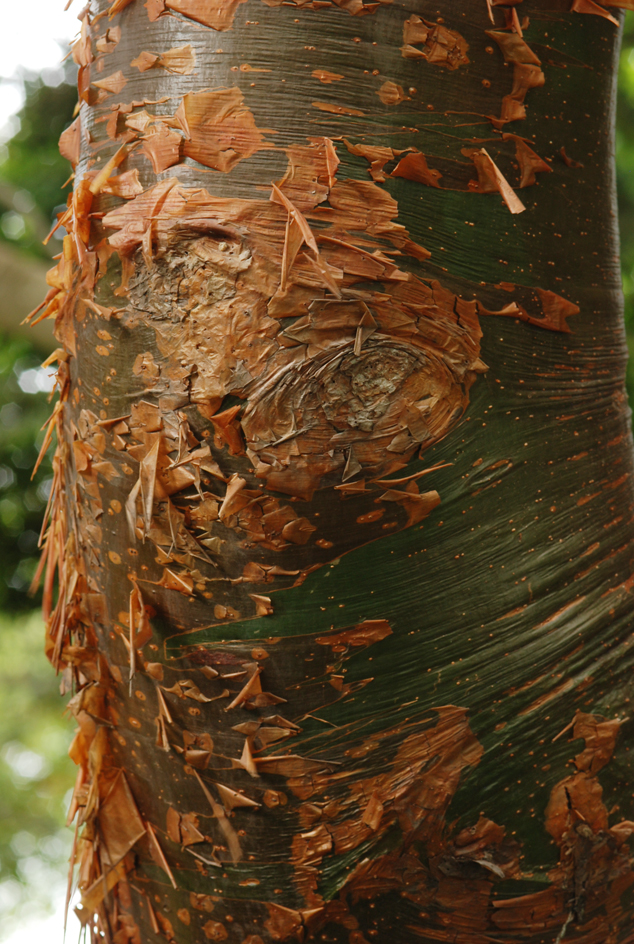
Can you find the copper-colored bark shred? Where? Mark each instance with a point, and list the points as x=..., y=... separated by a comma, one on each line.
x=162, y=146
x=377, y=155
x=218, y=14
x=337, y=109
x=220, y=129
x=529, y=162
x=114, y=83
x=490, y=179
x=179, y=60
x=589, y=6
x=414, y=167
x=434, y=42
x=70, y=142
x=325, y=76
x=392, y=94
x=119, y=821
x=527, y=74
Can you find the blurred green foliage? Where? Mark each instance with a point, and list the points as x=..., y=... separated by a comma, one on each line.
x=33, y=160
x=33, y=172
x=31, y=177
x=23, y=411
x=625, y=183
x=35, y=774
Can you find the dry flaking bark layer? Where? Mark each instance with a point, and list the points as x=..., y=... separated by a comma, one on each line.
x=279, y=358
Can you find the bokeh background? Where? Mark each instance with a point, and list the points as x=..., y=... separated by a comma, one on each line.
x=37, y=101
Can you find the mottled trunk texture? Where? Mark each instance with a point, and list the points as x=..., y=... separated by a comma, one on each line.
x=342, y=527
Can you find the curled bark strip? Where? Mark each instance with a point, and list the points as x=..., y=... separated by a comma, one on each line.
x=433, y=42
x=491, y=178
x=589, y=6
x=527, y=74
x=216, y=14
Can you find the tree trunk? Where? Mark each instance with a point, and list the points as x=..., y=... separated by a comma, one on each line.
x=343, y=507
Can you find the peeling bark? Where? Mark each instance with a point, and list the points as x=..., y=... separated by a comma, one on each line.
x=338, y=563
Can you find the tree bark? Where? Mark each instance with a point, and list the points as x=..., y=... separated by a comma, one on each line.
x=343, y=510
